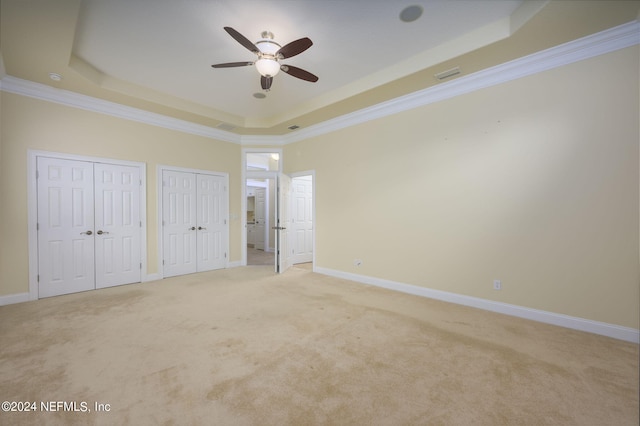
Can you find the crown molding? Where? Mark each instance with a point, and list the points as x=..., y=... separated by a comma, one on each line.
x=610, y=40
x=68, y=98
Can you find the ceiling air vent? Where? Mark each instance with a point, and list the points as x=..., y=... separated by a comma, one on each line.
x=226, y=126
x=294, y=127
x=448, y=73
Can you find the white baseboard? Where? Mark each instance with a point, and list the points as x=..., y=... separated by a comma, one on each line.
x=605, y=329
x=10, y=299
x=235, y=264
x=151, y=277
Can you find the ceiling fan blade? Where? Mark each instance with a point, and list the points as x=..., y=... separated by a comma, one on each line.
x=294, y=48
x=265, y=82
x=242, y=40
x=232, y=64
x=299, y=73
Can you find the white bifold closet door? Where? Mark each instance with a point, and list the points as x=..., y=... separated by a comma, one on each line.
x=88, y=225
x=193, y=222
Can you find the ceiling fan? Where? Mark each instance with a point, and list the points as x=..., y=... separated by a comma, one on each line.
x=270, y=54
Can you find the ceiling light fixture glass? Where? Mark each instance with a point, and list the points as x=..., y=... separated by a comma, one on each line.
x=267, y=63
x=267, y=67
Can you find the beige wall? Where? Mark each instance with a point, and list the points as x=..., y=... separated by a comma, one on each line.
x=27, y=123
x=534, y=182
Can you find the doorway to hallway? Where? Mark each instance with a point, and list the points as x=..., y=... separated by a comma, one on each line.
x=285, y=218
x=260, y=221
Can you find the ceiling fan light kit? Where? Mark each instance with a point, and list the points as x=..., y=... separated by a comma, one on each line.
x=269, y=55
x=267, y=64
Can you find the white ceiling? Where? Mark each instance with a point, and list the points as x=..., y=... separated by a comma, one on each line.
x=169, y=46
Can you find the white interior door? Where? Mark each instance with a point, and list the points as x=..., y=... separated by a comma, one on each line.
x=179, y=223
x=117, y=224
x=65, y=226
x=194, y=222
x=283, y=224
x=302, y=219
x=89, y=228
x=260, y=213
x=211, y=222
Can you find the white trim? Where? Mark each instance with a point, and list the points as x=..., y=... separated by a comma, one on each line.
x=575, y=323
x=248, y=174
x=32, y=208
x=160, y=168
x=152, y=277
x=610, y=40
x=606, y=41
x=11, y=299
x=88, y=103
x=270, y=140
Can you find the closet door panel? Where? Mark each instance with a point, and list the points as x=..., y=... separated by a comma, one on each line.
x=118, y=233
x=179, y=223
x=65, y=226
x=211, y=220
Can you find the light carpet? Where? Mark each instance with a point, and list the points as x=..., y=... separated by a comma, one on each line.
x=243, y=346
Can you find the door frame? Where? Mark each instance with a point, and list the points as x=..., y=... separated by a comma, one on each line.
x=32, y=209
x=160, y=168
x=248, y=174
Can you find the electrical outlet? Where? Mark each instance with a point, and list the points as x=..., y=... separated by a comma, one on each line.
x=497, y=285
x=357, y=262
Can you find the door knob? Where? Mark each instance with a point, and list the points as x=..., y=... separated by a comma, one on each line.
x=193, y=228
x=100, y=232
x=88, y=232
x=200, y=228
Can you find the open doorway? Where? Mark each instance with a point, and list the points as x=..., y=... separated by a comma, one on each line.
x=260, y=203
x=278, y=211
x=262, y=221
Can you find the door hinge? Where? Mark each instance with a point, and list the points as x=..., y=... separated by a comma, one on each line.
x=37, y=226
x=37, y=174
x=38, y=278
x=163, y=261
x=225, y=255
x=140, y=224
x=225, y=221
